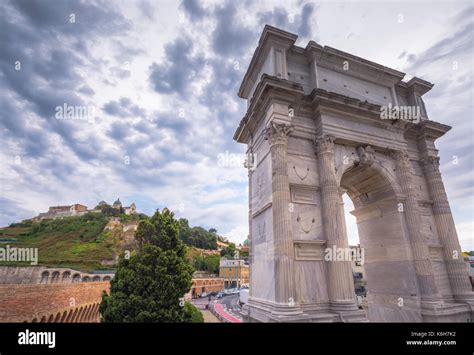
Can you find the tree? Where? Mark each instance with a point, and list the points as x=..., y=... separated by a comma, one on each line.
x=149, y=286
x=212, y=262
x=192, y=314
x=108, y=210
x=209, y=263
x=229, y=251
x=197, y=236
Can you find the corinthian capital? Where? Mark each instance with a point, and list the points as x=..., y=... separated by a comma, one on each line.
x=277, y=133
x=430, y=164
x=401, y=157
x=324, y=144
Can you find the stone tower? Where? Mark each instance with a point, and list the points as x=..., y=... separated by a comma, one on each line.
x=320, y=123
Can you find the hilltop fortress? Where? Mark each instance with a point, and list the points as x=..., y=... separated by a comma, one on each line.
x=78, y=210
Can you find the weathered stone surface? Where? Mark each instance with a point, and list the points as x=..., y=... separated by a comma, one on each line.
x=315, y=121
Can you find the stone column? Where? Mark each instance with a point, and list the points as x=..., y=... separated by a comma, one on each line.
x=420, y=251
x=251, y=165
x=277, y=135
x=457, y=271
x=340, y=279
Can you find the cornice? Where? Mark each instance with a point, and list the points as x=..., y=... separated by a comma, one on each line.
x=269, y=33
x=266, y=83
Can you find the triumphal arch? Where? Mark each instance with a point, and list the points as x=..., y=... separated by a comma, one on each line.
x=321, y=123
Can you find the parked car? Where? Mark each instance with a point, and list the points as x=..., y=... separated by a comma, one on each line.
x=204, y=294
x=220, y=294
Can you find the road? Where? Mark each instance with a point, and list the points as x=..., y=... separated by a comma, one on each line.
x=231, y=305
x=201, y=303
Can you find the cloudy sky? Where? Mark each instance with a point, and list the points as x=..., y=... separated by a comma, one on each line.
x=160, y=81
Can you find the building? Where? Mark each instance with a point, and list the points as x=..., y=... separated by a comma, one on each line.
x=204, y=283
x=245, y=247
x=323, y=123
x=469, y=259
x=132, y=209
x=234, y=272
x=63, y=211
x=59, y=209
x=77, y=208
x=117, y=204
x=358, y=272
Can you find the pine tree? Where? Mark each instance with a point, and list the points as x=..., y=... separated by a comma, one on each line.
x=150, y=284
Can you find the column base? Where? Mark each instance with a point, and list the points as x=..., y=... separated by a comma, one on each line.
x=465, y=297
x=271, y=312
x=431, y=303
x=265, y=311
x=343, y=306
x=447, y=313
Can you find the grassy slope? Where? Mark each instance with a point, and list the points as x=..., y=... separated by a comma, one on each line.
x=76, y=242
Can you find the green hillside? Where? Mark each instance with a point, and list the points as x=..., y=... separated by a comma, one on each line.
x=83, y=244
x=76, y=242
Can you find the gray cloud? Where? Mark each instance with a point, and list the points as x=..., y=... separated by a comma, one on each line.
x=301, y=24
x=50, y=69
x=124, y=108
x=194, y=9
x=305, y=28
x=86, y=90
x=446, y=103
x=230, y=37
x=179, y=68
x=54, y=17
x=458, y=44
x=12, y=211
x=119, y=131
x=167, y=152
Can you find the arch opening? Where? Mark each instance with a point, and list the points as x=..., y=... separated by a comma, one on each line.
x=391, y=288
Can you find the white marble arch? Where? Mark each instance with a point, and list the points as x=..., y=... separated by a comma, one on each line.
x=384, y=171
x=295, y=95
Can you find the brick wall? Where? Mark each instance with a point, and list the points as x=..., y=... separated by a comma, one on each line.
x=207, y=285
x=77, y=302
